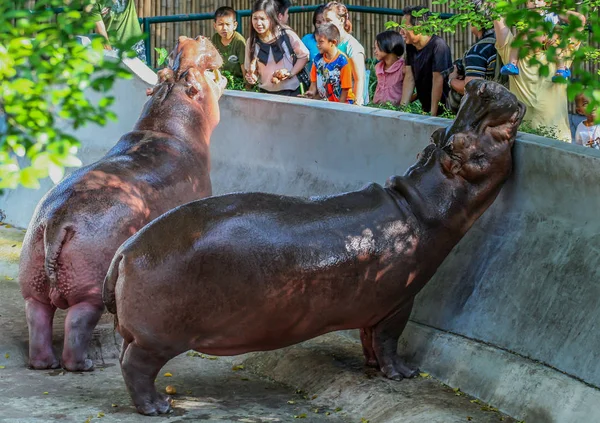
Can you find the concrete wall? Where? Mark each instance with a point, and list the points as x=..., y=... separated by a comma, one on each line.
x=512, y=315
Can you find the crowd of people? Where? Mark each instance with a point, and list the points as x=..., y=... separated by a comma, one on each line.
x=329, y=63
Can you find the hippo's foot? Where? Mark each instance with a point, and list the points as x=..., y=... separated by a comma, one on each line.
x=42, y=363
x=140, y=367
x=79, y=325
x=398, y=370
x=160, y=404
x=82, y=366
x=39, y=321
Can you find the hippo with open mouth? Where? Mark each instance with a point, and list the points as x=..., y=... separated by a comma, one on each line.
x=79, y=224
x=253, y=271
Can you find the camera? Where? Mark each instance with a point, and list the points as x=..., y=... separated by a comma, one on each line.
x=460, y=69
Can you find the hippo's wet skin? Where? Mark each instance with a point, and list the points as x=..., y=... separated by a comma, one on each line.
x=80, y=223
x=254, y=271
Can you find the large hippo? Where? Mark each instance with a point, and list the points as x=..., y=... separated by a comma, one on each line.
x=79, y=224
x=249, y=272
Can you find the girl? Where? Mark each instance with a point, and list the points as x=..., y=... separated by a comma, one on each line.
x=309, y=40
x=389, y=48
x=274, y=53
x=337, y=14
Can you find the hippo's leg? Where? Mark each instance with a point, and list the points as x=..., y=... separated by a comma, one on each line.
x=366, y=337
x=79, y=325
x=39, y=320
x=385, y=344
x=140, y=368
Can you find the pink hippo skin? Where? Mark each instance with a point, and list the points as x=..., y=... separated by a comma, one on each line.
x=254, y=271
x=80, y=223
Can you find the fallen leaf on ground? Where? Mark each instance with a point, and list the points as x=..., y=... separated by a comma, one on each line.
x=114, y=405
x=291, y=402
x=300, y=416
x=338, y=409
x=168, y=374
x=171, y=390
x=236, y=368
x=2, y=367
x=363, y=420
x=424, y=375
x=314, y=397
x=100, y=415
x=8, y=278
x=45, y=393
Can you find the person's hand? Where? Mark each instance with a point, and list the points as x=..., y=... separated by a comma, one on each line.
x=309, y=94
x=280, y=75
x=251, y=77
x=104, y=11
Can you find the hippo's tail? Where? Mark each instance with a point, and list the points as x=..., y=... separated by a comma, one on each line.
x=55, y=237
x=110, y=283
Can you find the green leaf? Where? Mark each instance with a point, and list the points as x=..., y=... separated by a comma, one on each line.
x=28, y=178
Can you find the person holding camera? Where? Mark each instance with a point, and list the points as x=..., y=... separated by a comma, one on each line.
x=481, y=61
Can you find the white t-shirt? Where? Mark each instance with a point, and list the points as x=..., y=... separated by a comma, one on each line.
x=585, y=134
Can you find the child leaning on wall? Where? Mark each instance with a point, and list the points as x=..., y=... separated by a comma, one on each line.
x=389, y=49
x=331, y=74
x=588, y=132
x=228, y=41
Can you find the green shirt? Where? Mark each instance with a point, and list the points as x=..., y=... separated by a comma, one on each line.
x=233, y=54
x=122, y=18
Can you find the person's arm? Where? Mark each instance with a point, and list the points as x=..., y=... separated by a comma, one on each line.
x=442, y=60
x=312, y=91
x=346, y=81
x=501, y=31
x=436, y=92
x=300, y=51
x=358, y=72
x=408, y=86
x=581, y=17
x=250, y=66
x=101, y=30
x=344, y=96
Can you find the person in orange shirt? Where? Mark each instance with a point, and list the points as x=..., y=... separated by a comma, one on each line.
x=331, y=74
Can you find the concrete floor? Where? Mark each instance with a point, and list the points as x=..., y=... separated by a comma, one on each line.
x=319, y=380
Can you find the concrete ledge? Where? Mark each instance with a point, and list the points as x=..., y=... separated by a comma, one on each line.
x=524, y=388
x=331, y=367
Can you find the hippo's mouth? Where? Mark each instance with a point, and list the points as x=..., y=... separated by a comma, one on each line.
x=216, y=80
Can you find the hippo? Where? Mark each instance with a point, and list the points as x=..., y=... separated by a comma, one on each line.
x=79, y=224
x=254, y=271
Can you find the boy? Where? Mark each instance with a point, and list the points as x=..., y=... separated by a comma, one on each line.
x=229, y=42
x=587, y=133
x=331, y=74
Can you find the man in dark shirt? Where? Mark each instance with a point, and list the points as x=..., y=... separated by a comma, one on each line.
x=427, y=56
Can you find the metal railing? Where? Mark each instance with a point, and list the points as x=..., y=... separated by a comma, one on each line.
x=148, y=22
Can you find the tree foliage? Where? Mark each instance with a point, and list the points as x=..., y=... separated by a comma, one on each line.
x=44, y=74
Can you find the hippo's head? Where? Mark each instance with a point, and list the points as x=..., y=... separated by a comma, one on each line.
x=192, y=82
x=199, y=56
x=462, y=170
x=488, y=107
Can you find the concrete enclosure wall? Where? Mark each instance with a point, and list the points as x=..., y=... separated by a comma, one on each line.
x=512, y=315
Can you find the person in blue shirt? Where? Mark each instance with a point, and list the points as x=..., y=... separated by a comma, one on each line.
x=309, y=40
